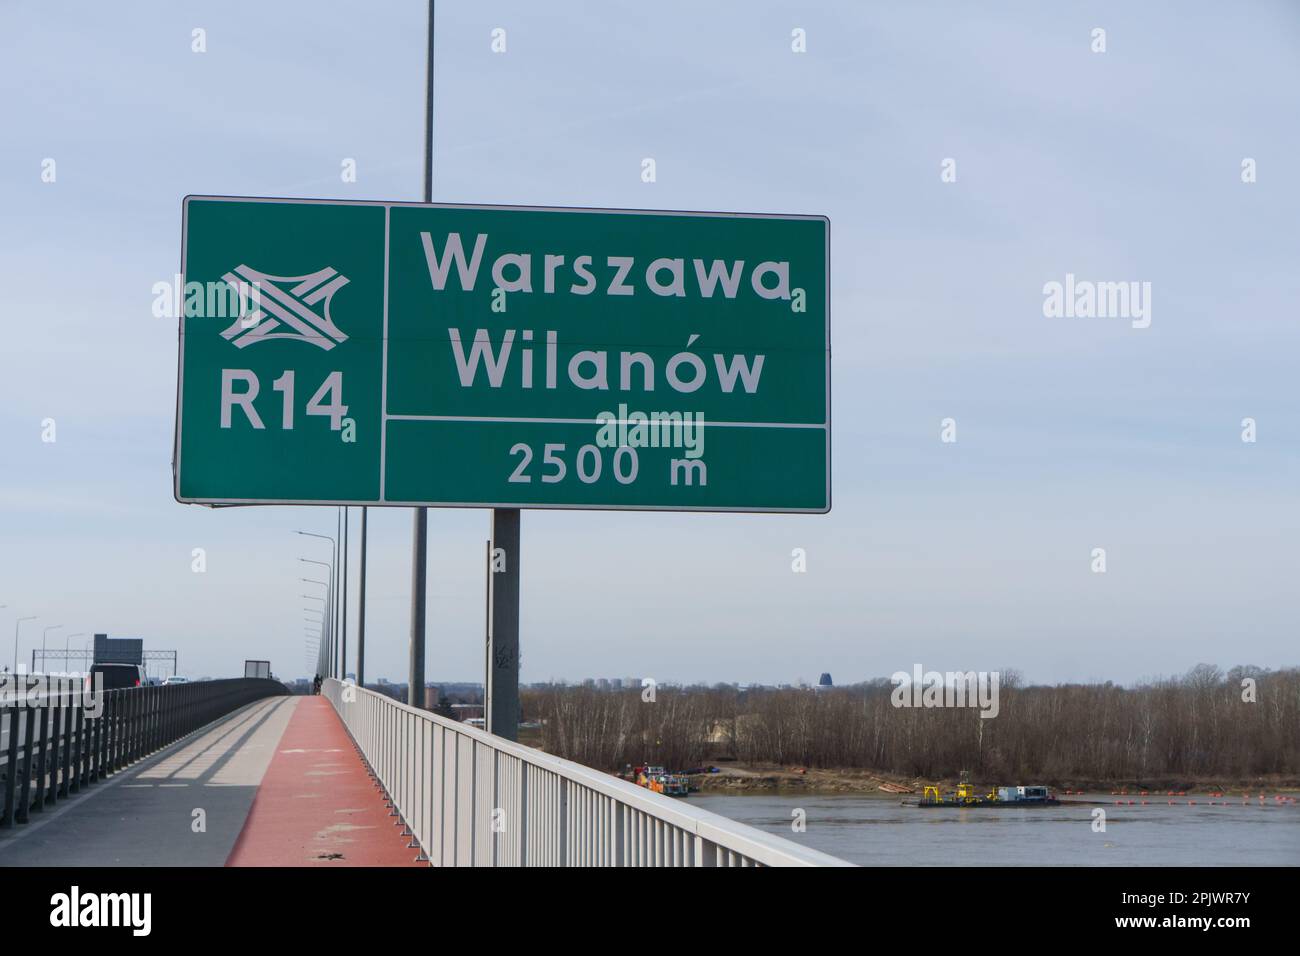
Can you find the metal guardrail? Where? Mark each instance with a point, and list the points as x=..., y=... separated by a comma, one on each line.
x=59, y=739
x=472, y=799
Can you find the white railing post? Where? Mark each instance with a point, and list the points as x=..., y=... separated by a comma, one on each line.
x=564, y=822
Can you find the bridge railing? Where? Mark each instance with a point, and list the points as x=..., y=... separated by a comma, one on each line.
x=56, y=737
x=472, y=799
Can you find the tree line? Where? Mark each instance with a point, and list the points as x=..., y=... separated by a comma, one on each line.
x=1205, y=724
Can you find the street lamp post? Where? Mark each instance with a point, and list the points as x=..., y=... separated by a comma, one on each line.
x=17, y=624
x=420, y=523
x=327, y=633
x=315, y=597
x=317, y=630
x=333, y=566
x=361, y=608
x=44, y=634
x=343, y=631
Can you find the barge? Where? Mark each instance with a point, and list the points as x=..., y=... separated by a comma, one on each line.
x=966, y=796
x=658, y=780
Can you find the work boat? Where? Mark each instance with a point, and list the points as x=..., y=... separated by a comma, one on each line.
x=661, y=781
x=966, y=796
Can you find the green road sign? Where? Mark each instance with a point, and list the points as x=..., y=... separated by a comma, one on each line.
x=499, y=356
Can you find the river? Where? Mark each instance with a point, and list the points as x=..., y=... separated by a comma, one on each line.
x=877, y=831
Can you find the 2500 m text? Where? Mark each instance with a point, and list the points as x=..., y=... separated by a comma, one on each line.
x=589, y=464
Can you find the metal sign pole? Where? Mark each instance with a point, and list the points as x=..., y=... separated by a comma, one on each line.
x=420, y=531
x=502, y=705
x=361, y=608
x=338, y=579
x=343, y=665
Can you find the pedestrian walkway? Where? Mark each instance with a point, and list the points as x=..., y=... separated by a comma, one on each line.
x=276, y=783
x=183, y=806
x=317, y=805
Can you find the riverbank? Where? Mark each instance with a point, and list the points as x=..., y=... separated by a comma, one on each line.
x=759, y=778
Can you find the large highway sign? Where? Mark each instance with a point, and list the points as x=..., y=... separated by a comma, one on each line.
x=497, y=356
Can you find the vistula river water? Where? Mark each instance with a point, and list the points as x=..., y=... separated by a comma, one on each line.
x=877, y=831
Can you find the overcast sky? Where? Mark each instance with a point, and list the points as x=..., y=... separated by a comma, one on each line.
x=1072, y=433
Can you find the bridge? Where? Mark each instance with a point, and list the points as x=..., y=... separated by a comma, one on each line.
x=241, y=773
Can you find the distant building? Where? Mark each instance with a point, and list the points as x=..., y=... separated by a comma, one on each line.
x=825, y=680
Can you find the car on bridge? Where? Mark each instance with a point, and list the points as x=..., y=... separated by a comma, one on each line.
x=175, y=679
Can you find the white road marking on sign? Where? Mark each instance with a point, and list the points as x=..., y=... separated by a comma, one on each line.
x=308, y=326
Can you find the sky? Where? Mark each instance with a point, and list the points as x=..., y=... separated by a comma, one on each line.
x=1072, y=433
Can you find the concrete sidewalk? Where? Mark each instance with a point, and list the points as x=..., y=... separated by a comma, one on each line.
x=184, y=806
x=277, y=783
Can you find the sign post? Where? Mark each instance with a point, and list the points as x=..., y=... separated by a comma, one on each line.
x=361, y=607
x=501, y=712
x=420, y=518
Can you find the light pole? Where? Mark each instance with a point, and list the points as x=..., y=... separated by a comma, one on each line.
x=17, y=624
x=420, y=522
x=361, y=608
x=343, y=631
x=321, y=627
x=324, y=600
x=319, y=631
x=333, y=588
x=327, y=633
x=44, y=634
